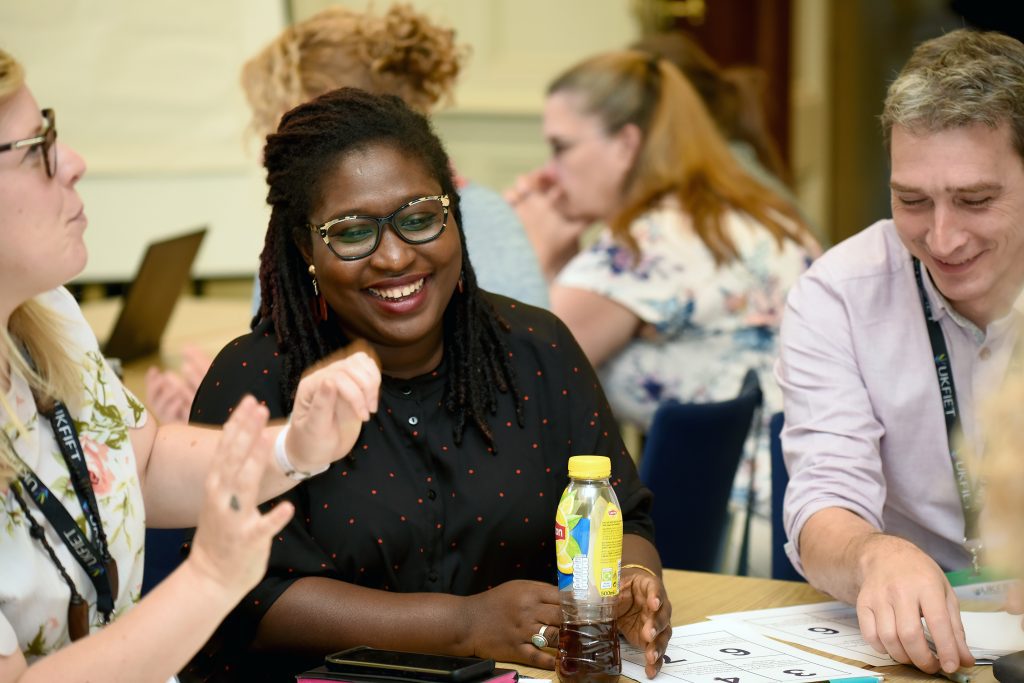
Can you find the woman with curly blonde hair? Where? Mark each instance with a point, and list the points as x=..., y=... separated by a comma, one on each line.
x=400, y=52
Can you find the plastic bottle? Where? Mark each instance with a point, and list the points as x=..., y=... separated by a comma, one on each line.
x=588, y=552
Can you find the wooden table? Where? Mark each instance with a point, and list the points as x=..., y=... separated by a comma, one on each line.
x=206, y=322
x=695, y=595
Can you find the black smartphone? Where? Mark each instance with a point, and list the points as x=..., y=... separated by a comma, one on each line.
x=372, y=662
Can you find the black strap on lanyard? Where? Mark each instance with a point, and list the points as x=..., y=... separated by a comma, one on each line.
x=951, y=409
x=93, y=555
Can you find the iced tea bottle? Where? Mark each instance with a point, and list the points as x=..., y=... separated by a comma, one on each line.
x=588, y=550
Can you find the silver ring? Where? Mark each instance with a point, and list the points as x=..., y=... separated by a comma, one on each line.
x=539, y=640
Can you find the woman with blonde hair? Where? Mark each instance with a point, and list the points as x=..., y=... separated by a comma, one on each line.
x=83, y=469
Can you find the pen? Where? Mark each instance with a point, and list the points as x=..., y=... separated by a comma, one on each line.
x=957, y=676
x=856, y=679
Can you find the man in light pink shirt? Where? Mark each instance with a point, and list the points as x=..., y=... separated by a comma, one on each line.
x=878, y=503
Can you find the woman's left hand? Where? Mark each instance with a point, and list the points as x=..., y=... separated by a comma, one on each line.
x=331, y=405
x=643, y=616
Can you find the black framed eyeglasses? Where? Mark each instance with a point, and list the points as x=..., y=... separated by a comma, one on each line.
x=351, y=238
x=47, y=140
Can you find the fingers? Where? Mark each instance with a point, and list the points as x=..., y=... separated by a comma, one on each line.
x=959, y=633
x=869, y=628
x=194, y=366
x=275, y=519
x=887, y=634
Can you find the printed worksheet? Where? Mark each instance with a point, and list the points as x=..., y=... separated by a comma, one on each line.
x=731, y=652
x=827, y=626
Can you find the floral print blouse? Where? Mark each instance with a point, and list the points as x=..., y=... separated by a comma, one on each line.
x=33, y=596
x=704, y=324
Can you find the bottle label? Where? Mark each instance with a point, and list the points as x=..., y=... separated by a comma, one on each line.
x=588, y=550
x=608, y=551
x=572, y=539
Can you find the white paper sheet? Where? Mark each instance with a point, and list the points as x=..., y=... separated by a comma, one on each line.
x=730, y=652
x=827, y=626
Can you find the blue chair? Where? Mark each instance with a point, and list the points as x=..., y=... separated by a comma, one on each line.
x=782, y=568
x=690, y=457
x=163, y=555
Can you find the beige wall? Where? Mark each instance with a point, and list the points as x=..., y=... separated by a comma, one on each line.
x=151, y=99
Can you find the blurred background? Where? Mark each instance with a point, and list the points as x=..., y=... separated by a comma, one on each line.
x=149, y=94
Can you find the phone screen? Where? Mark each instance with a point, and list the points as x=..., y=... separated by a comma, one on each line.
x=416, y=665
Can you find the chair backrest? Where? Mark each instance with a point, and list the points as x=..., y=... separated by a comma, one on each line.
x=782, y=568
x=690, y=458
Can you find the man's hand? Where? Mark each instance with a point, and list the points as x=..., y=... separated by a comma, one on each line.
x=899, y=585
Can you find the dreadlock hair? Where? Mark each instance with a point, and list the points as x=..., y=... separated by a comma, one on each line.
x=310, y=141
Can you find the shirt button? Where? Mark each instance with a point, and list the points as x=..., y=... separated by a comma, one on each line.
x=985, y=353
x=406, y=391
x=431, y=494
x=432, y=576
x=414, y=420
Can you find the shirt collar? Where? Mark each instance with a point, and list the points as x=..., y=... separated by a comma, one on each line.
x=941, y=307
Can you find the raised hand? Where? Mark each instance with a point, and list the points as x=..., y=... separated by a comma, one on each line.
x=643, y=615
x=232, y=541
x=503, y=620
x=331, y=405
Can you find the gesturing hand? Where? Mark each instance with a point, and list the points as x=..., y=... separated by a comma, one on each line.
x=900, y=585
x=643, y=615
x=232, y=541
x=331, y=404
x=503, y=619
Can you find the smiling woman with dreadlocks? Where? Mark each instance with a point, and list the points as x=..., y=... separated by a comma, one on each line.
x=436, y=534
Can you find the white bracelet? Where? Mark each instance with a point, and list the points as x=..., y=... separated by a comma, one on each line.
x=282, y=460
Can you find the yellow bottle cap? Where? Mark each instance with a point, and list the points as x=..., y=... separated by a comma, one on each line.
x=590, y=467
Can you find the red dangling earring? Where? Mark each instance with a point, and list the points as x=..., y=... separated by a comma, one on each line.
x=319, y=303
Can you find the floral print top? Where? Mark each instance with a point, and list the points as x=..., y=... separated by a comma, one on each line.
x=33, y=596
x=705, y=324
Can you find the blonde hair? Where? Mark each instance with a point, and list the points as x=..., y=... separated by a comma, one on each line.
x=33, y=328
x=682, y=152
x=399, y=53
x=1003, y=474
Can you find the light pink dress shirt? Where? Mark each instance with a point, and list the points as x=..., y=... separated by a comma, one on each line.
x=865, y=429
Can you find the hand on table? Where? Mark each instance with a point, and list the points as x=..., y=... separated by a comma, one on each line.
x=899, y=585
x=232, y=541
x=331, y=404
x=643, y=616
x=503, y=619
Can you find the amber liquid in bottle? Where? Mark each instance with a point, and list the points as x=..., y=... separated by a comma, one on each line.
x=588, y=652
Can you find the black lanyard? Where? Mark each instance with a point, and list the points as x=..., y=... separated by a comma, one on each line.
x=969, y=502
x=93, y=556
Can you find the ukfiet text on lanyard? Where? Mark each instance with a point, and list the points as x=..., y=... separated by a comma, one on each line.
x=970, y=501
x=93, y=554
